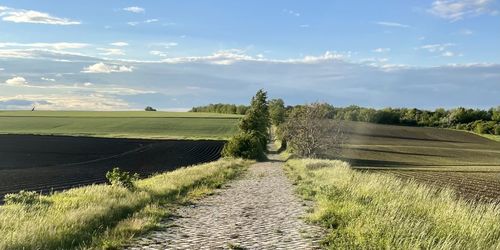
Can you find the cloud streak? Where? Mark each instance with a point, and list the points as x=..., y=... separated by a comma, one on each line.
x=31, y=16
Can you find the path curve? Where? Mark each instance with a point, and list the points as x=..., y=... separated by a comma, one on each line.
x=257, y=211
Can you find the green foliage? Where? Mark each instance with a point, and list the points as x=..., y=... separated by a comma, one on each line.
x=257, y=117
x=222, y=109
x=277, y=111
x=99, y=216
x=121, y=178
x=251, y=142
x=23, y=197
x=246, y=146
x=363, y=210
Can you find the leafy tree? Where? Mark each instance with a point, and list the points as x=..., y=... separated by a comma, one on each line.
x=148, y=108
x=309, y=132
x=256, y=121
x=277, y=111
x=252, y=140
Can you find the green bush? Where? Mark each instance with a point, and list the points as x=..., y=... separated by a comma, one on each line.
x=497, y=129
x=121, y=178
x=23, y=197
x=246, y=146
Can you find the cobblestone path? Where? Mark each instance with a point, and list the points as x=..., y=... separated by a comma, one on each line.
x=258, y=211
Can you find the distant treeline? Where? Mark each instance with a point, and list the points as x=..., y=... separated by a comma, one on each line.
x=480, y=121
x=476, y=120
x=222, y=109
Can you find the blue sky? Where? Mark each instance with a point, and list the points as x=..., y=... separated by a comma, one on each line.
x=119, y=55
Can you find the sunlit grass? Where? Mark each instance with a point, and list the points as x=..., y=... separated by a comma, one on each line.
x=124, y=124
x=104, y=216
x=377, y=211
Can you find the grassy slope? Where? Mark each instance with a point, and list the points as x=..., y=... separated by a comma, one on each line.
x=375, y=211
x=399, y=147
x=103, y=216
x=135, y=124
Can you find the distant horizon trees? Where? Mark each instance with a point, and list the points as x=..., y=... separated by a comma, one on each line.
x=477, y=120
x=222, y=108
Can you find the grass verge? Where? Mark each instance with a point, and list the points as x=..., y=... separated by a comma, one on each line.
x=104, y=216
x=377, y=211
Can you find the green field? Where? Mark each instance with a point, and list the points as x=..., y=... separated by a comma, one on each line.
x=466, y=162
x=123, y=124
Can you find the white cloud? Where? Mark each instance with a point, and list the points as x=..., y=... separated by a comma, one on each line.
x=134, y=9
x=57, y=46
x=111, y=52
x=455, y=10
x=158, y=53
x=437, y=47
x=119, y=44
x=106, y=68
x=88, y=84
x=466, y=32
x=31, y=16
x=16, y=81
x=382, y=50
x=447, y=54
x=304, y=26
x=135, y=23
x=393, y=24
x=292, y=12
x=48, y=79
x=2, y=69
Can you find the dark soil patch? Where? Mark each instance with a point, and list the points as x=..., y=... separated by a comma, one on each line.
x=45, y=163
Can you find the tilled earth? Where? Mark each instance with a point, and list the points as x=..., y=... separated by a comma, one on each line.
x=45, y=163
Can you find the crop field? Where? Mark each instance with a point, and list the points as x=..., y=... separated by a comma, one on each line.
x=446, y=158
x=124, y=124
x=44, y=163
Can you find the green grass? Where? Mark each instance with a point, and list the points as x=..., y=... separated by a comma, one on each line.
x=122, y=124
x=104, y=216
x=375, y=211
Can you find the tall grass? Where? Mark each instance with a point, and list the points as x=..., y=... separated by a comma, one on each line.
x=84, y=217
x=377, y=211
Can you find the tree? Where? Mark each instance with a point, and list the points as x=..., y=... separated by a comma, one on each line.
x=277, y=111
x=148, y=108
x=252, y=139
x=310, y=133
x=256, y=121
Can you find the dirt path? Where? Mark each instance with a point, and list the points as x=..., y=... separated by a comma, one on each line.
x=258, y=211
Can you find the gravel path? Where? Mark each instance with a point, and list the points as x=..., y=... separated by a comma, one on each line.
x=258, y=211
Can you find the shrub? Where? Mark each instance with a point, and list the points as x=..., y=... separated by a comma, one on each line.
x=497, y=129
x=121, y=178
x=246, y=146
x=149, y=108
x=23, y=197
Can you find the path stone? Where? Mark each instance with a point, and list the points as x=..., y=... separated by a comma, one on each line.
x=258, y=211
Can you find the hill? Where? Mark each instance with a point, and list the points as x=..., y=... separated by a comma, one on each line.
x=464, y=161
x=121, y=124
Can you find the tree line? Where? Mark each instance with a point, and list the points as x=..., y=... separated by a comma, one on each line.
x=476, y=120
x=222, y=108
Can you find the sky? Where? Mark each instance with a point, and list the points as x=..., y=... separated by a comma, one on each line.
x=173, y=55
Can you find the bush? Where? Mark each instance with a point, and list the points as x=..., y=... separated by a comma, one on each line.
x=246, y=146
x=497, y=129
x=23, y=197
x=121, y=178
x=148, y=108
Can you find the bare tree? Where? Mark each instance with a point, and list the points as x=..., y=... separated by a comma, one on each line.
x=310, y=133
